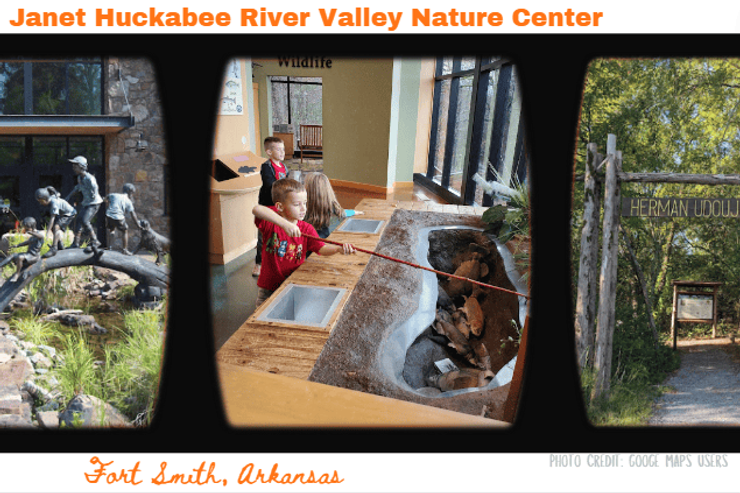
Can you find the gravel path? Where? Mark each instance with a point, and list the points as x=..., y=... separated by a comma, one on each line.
x=707, y=388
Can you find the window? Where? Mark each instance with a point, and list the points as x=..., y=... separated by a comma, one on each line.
x=477, y=127
x=30, y=162
x=51, y=87
x=295, y=101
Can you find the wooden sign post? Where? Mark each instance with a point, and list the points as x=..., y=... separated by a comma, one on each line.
x=693, y=303
x=594, y=325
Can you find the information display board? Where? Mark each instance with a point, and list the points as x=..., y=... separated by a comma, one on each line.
x=695, y=307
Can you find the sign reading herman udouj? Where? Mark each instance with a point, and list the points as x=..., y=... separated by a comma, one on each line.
x=679, y=207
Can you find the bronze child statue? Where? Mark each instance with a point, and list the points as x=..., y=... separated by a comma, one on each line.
x=86, y=186
x=32, y=254
x=117, y=206
x=61, y=215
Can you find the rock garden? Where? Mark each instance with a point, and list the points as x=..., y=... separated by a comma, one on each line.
x=78, y=350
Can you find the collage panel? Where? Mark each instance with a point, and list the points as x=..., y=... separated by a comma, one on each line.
x=84, y=242
x=655, y=242
x=370, y=241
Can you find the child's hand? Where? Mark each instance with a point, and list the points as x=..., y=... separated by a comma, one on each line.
x=292, y=229
x=348, y=249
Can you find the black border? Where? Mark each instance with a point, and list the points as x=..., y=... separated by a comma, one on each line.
x=551, y=418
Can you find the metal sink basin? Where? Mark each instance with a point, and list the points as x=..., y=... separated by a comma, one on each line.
x=353, y=225
x=303, y=305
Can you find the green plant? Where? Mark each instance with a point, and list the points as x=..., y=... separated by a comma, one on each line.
x=132, y=366
x=78, y=372
x=125, y=292
x=77, y=421
x=512, y=219
x=49, y=287
x=509, y=339
x=34, y=330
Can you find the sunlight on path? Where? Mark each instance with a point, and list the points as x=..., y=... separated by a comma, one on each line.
x=707, y=390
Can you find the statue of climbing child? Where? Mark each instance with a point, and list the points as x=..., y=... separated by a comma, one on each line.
x=31, y=255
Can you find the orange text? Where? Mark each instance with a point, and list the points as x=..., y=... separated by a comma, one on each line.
x=126, y=475
x=199, y=477
x=248, y=475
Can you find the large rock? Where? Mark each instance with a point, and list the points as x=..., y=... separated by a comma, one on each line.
x=91, y=412
x=48, y=419
x=15, y=372
x=15, y=408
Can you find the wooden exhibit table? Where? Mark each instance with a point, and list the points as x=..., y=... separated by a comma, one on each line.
x=264, y=366
x=253, y=398
x=233, y=194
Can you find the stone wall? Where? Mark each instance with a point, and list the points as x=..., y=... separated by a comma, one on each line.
x=134, y=90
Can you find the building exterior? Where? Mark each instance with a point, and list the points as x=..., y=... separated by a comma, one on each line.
x=105, y=108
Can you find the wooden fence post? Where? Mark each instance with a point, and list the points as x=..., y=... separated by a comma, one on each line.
x=674, y=326
x=586, y=297
x=608, y=280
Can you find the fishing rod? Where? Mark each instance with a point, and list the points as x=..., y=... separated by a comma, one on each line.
x=497, y=288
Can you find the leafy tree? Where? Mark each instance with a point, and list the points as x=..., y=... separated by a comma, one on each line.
x=669, y=115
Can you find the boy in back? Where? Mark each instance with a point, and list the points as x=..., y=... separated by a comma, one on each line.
x=271, y=171
x=282, y=229
x=117, y=205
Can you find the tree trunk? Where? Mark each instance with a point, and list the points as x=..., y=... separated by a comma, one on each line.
x=663, y=274
x=608, y=280
x=140, y=270
x=586, y=297
x=643, y=287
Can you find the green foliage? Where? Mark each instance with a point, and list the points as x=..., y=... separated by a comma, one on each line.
x=132, y=367
x=627, y=405
x=77, y=421
x=34, y=330
x=513, y=219
x=669, y=115
x=78, y=372
x=128, y=375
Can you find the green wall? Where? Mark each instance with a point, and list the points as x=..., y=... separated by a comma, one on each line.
x=408, y=110
x=356, y=113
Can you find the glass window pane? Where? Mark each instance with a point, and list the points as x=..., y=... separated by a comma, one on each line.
x=441, y=137
x=467, y=63
x=11, y=88
x=10, y=189
x=84, y=89
x=12, y=151
x=279, y=103
x=49, y=88
x=90, y=147
x=305, y=102
x=306, y=79
x=465, y=91
x=50, y=181
x=446, y=65
x=49, y=151
x=485, y=149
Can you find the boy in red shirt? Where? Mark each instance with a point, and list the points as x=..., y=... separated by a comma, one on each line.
x=282, y=228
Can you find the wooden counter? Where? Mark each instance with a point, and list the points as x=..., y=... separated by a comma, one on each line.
x=253, y=398
x=233, y=195
x=264, y=366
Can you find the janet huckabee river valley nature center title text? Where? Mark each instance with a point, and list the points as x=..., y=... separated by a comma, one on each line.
x=261, y=17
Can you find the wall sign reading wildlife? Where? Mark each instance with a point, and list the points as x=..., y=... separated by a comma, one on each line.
x=679, y=207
